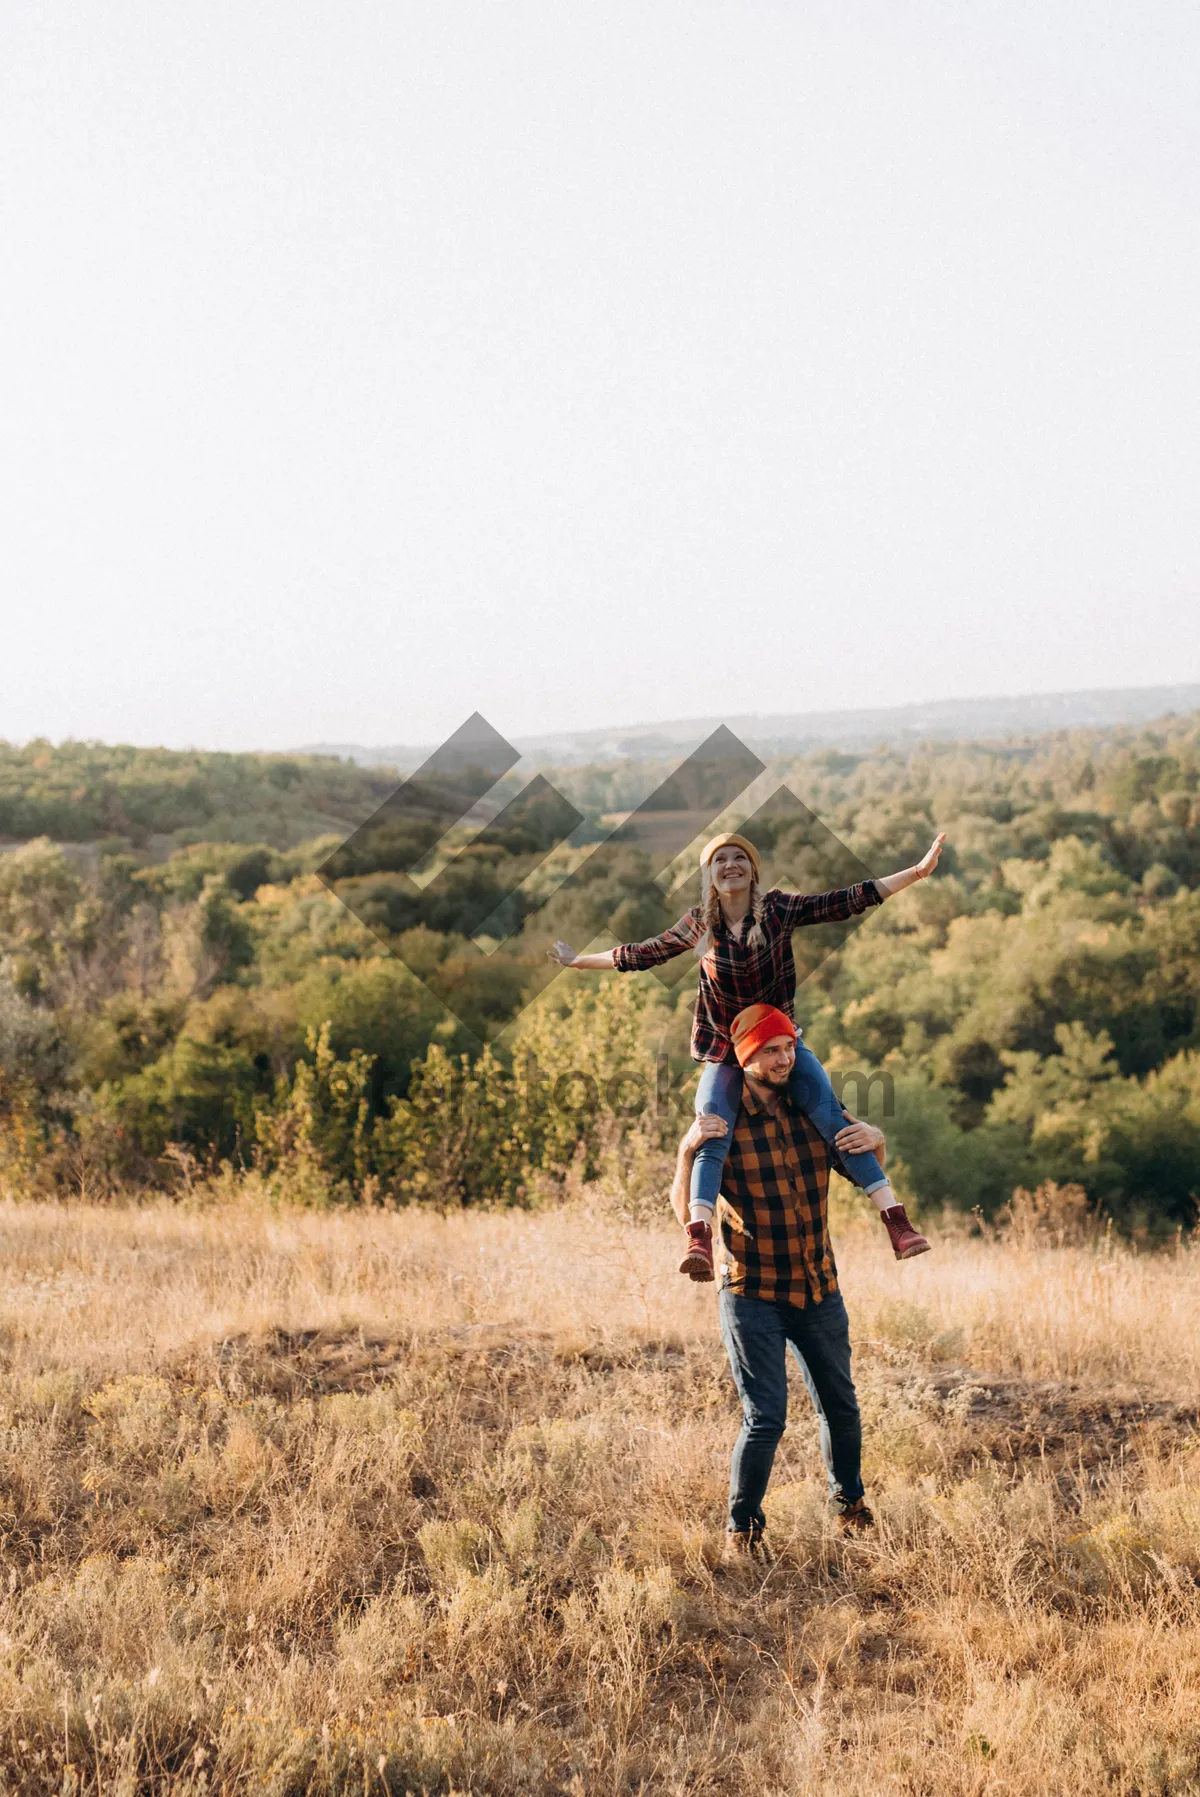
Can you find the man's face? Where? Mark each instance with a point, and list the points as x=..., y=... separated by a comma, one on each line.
x=773, y=1062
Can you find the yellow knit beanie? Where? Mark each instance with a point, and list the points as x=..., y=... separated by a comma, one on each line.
x=730, y=842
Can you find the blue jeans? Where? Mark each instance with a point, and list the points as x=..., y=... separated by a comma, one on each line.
x=757, y=1333
x=720, y=1095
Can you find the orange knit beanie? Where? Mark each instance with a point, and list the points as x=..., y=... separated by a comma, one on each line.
x=754, y=1026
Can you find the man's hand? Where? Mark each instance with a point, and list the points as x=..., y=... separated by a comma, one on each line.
x=563, y=953
x=859, y=1138
x=703, y=1129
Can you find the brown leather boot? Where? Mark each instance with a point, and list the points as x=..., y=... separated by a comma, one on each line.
x=856, y=1516
x=746, y=1544
x=906, y=1241
x=697, y=1263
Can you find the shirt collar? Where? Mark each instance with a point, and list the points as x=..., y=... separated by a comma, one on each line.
x=755, y=1108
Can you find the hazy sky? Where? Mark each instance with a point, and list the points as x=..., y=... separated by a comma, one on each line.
x=365, y=364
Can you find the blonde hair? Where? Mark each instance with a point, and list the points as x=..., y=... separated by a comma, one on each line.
x=710, y=913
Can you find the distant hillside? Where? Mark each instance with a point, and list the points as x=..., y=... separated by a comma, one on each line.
x=159, y=798
x=154, y=800
x=970, y=720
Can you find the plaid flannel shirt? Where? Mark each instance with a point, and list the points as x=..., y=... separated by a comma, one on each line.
x=774, y=1211
x=733, y=975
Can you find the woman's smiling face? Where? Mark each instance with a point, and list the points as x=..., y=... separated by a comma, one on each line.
x=731, y=870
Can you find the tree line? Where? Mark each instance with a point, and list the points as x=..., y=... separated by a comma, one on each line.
x=181, y=990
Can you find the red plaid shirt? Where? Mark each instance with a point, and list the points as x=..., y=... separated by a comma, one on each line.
x=733, y=975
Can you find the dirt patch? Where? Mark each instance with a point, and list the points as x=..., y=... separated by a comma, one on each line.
x=302, y=1363
x=1069, y=1426
x=1079, y=1434
x=500, y=1345
x=288, y=1364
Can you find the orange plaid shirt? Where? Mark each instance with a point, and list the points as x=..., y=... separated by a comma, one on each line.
x=774, y=1211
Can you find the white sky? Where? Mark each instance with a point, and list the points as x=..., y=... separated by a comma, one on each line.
x=362, y=365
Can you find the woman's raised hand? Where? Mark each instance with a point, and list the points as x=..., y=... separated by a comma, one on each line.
x=929, y=861
x=563, y=953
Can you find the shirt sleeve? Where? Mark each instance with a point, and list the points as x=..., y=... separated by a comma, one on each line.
x=635, y=957
x=795, y=909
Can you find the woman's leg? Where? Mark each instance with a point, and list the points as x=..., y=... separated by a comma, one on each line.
x=810, y=1088
x=719, y=1094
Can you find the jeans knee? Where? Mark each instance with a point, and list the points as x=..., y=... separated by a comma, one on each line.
x=842, y=1413
x=762, y=1429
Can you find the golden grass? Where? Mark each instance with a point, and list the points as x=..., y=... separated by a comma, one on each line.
x=375, y=1502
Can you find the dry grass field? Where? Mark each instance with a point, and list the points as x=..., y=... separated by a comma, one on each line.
x=297, y=1502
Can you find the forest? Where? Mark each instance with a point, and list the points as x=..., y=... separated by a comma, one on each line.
x=202, y=976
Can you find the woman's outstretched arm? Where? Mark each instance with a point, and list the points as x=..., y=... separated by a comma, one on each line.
x=565, y=955
x=795, y=909
x=908, y=876
x=634, y=957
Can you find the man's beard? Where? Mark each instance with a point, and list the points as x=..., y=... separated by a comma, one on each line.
x=776, y=1081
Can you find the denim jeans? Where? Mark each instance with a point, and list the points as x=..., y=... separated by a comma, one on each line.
x=757, y=1333
x=720, y=1095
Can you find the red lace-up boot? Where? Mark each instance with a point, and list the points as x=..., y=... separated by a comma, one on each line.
x=697, y=1263
x=907, y=1242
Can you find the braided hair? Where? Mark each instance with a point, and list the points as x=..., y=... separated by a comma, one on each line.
x=710, y=914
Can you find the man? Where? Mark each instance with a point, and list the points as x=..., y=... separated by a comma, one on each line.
x=780, y=1285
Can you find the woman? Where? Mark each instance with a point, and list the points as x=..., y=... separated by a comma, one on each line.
x=742, y=938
